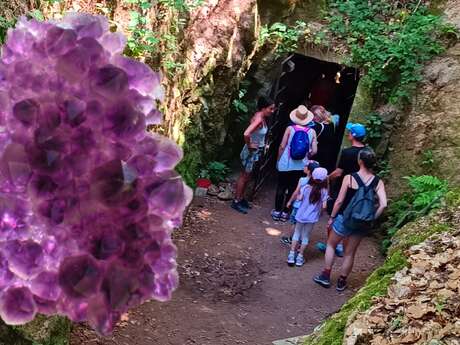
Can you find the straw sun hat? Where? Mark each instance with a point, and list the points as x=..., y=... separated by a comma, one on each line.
x=301, y=115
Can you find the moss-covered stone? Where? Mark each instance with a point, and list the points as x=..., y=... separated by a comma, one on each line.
x=41, y=331
x=45, y=330
x=331, y=331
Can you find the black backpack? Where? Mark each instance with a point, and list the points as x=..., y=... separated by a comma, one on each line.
x=360, y=212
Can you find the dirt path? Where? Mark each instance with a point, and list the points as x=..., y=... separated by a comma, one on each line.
x=235, y=286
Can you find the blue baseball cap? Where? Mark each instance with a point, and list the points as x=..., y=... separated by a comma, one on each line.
x=357, y=130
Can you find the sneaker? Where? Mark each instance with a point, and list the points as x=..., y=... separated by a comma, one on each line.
x=284, y=216
x=238, y=207
x=321, y=246
x=245, y=204
x=291, y=259
x=275, y=215
x=286, y=240
x=299, y=261
x=322, y=280
x=339, y=250
x=341, y=284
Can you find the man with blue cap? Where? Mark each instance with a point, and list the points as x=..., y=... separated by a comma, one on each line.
x=348, y=164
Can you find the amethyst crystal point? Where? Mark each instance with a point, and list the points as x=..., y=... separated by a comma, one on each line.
x=88, y=198
x=17, y=306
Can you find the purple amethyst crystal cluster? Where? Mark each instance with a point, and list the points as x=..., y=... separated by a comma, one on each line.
x=88, y=198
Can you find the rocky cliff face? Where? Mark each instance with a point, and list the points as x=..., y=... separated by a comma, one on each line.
x=217, y=45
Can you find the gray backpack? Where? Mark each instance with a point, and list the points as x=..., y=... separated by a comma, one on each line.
x=360, y=212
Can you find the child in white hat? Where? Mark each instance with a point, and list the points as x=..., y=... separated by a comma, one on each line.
x=314, y=196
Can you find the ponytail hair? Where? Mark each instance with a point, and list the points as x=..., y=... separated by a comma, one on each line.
x=316, y=187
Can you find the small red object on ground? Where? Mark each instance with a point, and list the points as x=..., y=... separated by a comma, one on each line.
x=203, y=183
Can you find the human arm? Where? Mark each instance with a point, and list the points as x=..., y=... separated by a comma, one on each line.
x=335, y=174
x=294, y=195
x=340, y=198
x=251, y=128
x=338, y=172
x=314, y=143
x=382, y=197
x=283, y=143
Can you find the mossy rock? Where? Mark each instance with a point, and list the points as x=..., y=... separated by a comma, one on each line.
x=331, y=331
x=42, y=330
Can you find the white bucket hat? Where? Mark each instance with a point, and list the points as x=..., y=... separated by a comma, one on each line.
x=301, y=115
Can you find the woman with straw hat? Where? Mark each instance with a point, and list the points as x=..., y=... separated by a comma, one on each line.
x=298, y=144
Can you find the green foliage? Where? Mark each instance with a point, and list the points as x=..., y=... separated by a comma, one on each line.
x=426, y=193
x=383, y=168
x=37, y=14
x=391, y=41
x=242, y=105
x=284, y=37
x=215, y=171
x=144, y=42
x=182, y=5
x=5, y=24
x=374, y=128
x=238, y=104
x=428, y=161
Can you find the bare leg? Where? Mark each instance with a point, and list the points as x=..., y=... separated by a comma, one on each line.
x=350, y=252
x=332, y=242
x=243, y=180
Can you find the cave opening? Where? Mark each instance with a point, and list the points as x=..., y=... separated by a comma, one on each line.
x=309, y=81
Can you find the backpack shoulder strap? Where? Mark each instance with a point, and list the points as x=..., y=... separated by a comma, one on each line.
x=375, y=182
x=358, y=180
x=298, y=128
x=322, y=129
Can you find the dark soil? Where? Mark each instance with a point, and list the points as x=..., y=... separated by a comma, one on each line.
x=235, y=286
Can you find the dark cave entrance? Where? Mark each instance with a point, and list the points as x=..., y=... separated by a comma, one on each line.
x=309, y=81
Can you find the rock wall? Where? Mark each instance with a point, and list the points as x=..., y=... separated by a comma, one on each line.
x=218, y=45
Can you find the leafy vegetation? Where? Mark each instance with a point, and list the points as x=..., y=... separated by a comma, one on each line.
x=5, y=24
x=284, y=37
x=374, y=129
x=215, y=171
x=147, y=43
x=428, y=160
x=243, y=105
x=426, y=193
x=142, y=39
x=390, y=40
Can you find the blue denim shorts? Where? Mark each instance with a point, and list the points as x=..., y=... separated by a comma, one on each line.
x=341, y=230
x=339, y=227
x=249, y=158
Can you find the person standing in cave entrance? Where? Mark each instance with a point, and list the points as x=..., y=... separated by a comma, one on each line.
x=298, y=144
x=352, y=216
x=254, y=138
x=325, y=126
